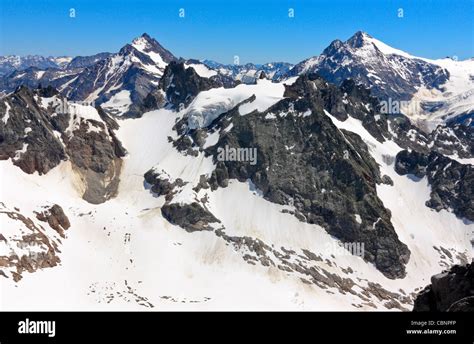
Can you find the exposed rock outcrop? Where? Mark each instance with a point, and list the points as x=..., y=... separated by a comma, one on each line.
x=182, y=84
x=26, y=244
x=192, y=217
x=452, y=183
x=27, y=133
x=162, y=184
x=39, y=129
x=56, y=218
x=451, y=291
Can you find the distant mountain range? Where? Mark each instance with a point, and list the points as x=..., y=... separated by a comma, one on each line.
x=249, y=72
x=12, y=63
x=440, y=89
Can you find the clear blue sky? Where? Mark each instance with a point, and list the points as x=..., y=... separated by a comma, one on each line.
x=256, y=30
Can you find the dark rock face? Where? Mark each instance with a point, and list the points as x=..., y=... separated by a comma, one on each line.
x=303, y=160
x=192, y=217
x=448, y=139
x=451, y=291
x=452, y=183
x=47, y=91
x=463, y=305
x=359, y=59
x=182, y=84
x=95, y=157
x=454, y=138
x=349, y=98
x=38, y=137
x=408, y=136
x=226, y=79
x=40, y=149
x=411, y=163
x=162, y=184
x=154, y=100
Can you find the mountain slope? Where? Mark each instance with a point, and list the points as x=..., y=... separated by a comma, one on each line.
x=259, y=256
x=298, y=194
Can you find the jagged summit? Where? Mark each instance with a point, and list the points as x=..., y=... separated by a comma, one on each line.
x=356, y=41
x=144, y=36
x=359, y=39
x=145, y=43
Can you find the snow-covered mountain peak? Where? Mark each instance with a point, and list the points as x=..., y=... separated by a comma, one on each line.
x=386, y=49
x=124, y=78
x=359, y=39
x=147, y=45
x=388, y=72
x=364, y=41
x=142, y=42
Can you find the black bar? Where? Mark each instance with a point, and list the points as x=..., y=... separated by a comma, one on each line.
x=316, y=327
